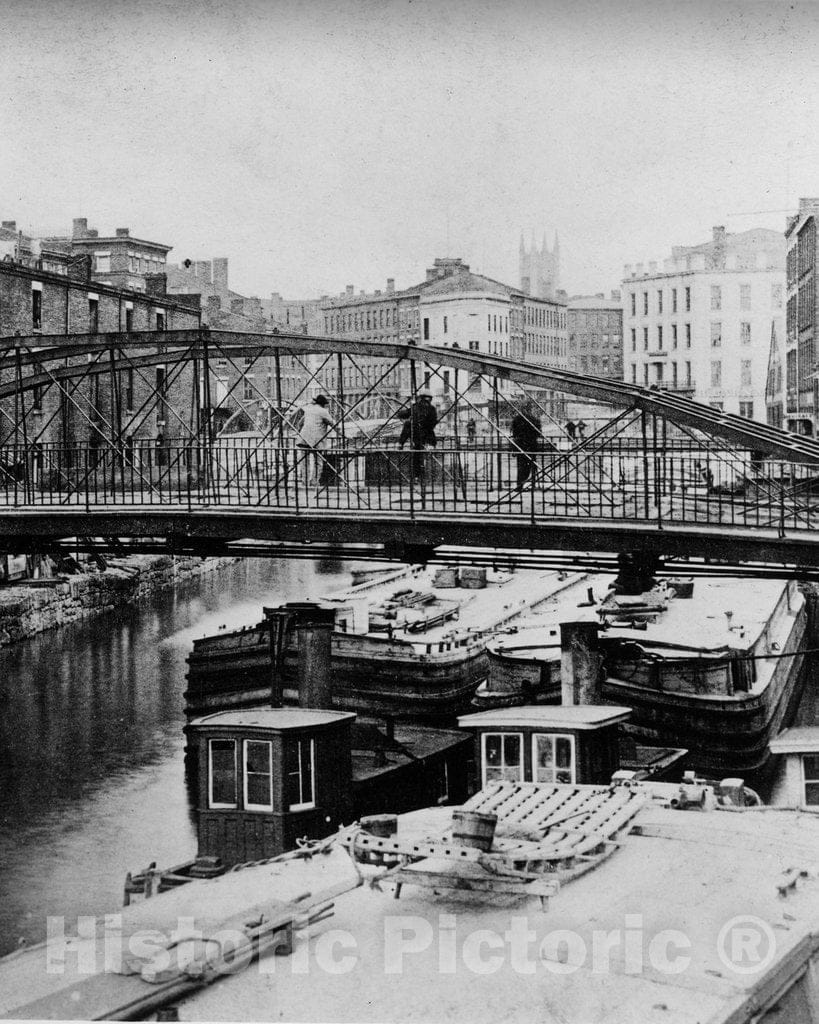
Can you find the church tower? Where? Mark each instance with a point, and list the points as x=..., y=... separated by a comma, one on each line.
x=539, y=268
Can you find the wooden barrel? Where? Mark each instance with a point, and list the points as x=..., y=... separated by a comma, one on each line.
x=472, y=578
x=471, y=828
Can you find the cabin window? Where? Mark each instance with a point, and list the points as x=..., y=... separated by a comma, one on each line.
x=553, y=757
x=301, y=775
x=258, y=775
x=222, y=773
x=810, y=769
x=502, y=757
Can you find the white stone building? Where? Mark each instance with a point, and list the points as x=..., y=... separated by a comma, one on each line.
x=702, y=323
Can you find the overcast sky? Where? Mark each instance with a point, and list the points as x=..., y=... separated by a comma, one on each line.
x=321, y=143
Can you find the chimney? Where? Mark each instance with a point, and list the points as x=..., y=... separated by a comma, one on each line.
x=718, y=255
x=526, y=285
x=123, y=232
x=314, y=632
x=10, y=225
x=350, y=289
x=580, y=663
x=92, y=233
x=220, y=272
x=79, y=227
x=390, y=285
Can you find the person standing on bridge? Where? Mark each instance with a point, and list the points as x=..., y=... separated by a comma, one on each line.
x=526, y=438
x=314, y=429
x=420, y=420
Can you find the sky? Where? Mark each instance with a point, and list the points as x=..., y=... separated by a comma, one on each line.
x=318, y=144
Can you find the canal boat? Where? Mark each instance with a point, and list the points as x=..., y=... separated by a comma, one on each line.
x=634, y=901
x=714, y=667
x=407, y=644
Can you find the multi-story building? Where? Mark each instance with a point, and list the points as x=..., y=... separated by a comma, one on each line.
x=451, y=307
x=37, y=301
x=595, y=329
x=304, y=315
x=702, y=325
x=118, y=260
x=801, y=353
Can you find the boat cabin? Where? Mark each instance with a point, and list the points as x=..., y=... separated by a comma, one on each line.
x=575, y=744
x=796, y=783
x=269, y=776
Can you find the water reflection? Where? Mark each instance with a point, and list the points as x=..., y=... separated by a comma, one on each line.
x=91, y=746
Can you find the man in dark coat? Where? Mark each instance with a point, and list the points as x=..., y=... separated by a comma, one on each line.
x=420, y=421
x=526, y=439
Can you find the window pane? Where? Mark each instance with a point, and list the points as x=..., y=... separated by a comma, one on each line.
x=258, y=757
x=812, y=793
x=307, y=794
x=810, y=762
x=258, y=789
x=545, y=752
x=493, y=750
x=511, y=750
x=222, y=772
x=563, y=752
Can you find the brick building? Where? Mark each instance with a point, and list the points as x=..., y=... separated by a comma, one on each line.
x=451, y=307
x=801, y=355
x=595, y=329
x=702, y=325
x=36, y=301
x=118, y=260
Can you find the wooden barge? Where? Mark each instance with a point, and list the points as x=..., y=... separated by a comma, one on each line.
x=423, y=663
x=720, y=683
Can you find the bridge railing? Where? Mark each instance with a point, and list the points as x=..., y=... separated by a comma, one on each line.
x=679, y=484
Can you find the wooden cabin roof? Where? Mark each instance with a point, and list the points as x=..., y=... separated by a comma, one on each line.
x=582, y=716
x=275, y=719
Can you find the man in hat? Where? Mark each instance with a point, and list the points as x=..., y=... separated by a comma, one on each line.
x=315, y=425
x=526, y=438
x=420, y=420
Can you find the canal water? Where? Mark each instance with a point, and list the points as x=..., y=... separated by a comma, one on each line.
x=92, y=779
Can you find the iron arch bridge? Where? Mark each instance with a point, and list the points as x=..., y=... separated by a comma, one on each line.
x=189, y=441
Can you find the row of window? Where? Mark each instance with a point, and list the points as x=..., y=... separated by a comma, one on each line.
x=542, y=316
x=366, y=320
x=674, y=309
x=136, y=264
x=659, y=374
x=716, y=299
x=745, y=374
x=553, y=757
x=255, y=773
x=93, y=314
x=660, y=337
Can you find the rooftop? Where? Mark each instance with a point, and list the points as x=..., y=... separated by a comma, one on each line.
x=586, y=716
x=802, y=739
x=272, y=718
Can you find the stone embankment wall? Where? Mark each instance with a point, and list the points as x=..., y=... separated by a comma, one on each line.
x=32, y=608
